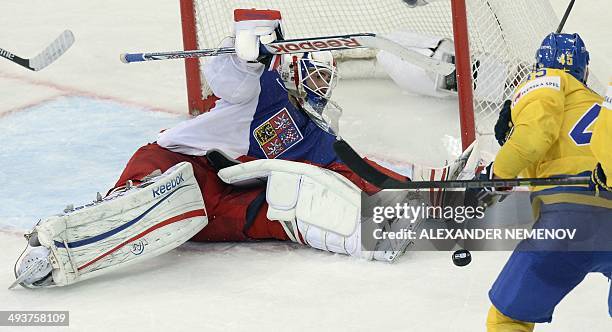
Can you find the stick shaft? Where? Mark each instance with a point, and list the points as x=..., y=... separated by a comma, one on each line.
x=352, y=159
x=567, y=12
x=288, y=46
x=314, y=44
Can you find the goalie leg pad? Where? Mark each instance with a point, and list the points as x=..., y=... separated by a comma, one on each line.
x=413, y=78
x=125, y=227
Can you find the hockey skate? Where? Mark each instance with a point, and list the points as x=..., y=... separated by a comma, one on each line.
x=131, y=224
x=34, y=268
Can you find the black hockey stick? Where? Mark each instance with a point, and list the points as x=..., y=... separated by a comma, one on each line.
x=51, y=53
x=567, y=12
x=383, y=181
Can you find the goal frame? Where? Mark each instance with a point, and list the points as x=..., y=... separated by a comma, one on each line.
x=197, y=104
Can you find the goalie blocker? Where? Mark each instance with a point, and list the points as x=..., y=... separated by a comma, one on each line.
x=132, y=224
x=318, y=207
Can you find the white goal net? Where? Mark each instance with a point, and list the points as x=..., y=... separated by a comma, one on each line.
x=503, y=35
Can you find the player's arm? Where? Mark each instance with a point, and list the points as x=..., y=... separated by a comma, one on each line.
x=600, y=144
x=235, y=77
x=537, y=114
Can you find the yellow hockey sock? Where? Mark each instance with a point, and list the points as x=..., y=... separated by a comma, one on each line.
x=498, y=322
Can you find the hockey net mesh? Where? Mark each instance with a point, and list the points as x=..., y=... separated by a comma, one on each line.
x=503, y=35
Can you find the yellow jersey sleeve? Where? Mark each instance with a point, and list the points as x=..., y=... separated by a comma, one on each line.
x=537, y=114
x=601, y=143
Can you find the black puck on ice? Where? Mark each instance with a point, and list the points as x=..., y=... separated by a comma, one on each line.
x=462, y=257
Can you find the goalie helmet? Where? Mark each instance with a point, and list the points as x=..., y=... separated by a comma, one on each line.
x=311, y=78
x=564, y=51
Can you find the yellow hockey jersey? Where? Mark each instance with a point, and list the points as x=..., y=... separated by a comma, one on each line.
x=553, y=115
x=601, y=143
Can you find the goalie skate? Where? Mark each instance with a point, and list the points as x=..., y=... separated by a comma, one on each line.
x=131, y=224
x=34, y=269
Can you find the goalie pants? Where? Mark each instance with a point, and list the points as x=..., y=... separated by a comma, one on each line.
x=234, y=213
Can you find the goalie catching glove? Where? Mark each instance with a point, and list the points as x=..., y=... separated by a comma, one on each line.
x=132, y=224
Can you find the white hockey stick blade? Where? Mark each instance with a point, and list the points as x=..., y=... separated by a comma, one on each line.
x=423, y=61
x=52, y=52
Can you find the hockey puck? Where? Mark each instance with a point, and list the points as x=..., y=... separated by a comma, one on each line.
x=411, y=3
x=462, y=257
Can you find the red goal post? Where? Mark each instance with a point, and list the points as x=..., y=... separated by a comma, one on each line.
x=495, y=40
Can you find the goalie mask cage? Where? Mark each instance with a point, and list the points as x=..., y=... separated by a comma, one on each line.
x=495, y=40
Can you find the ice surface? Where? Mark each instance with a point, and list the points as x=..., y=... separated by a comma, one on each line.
x=64, y=151
x=67, y=131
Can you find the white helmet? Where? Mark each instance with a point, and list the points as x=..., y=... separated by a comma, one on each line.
x=312, y=77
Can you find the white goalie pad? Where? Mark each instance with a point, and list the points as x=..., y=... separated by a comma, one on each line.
x=303, y=193
x=128, y=226
x=411, y=77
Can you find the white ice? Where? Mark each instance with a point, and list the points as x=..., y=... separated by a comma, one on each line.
x=66, y=132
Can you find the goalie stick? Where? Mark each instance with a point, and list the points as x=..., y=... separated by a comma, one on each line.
x=301, y=45
x=383, y=181
x=51, y=53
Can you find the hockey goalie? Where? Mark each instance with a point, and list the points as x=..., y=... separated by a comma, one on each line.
x=258, y=166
